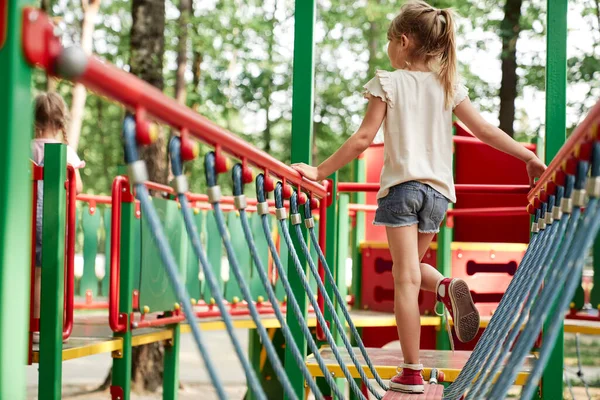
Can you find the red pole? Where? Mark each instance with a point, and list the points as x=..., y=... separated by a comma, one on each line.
x=323, y=244
x=70, y=251
x=117, y=322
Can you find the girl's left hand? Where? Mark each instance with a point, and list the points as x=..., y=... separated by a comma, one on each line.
x=307, y=171
x=535, y=169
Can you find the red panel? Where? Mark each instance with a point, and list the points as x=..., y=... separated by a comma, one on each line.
x=3, y=21
x=373, y=164
x=380, y=336
x=378, y=285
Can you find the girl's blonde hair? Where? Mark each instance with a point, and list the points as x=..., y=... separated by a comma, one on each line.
x=51, y=113
x=432, y=30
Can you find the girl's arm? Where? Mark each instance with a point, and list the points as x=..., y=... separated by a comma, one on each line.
x=352, y=147
x=79, y=183
x=498, y=139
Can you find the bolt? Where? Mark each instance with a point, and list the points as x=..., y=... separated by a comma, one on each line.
x=33, y=16
x=124, y=190
x=135, y=325
x=459, y=255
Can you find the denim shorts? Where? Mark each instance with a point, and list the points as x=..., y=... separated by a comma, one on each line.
x=412, y=203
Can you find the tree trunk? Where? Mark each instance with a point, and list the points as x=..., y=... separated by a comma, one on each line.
x=182, y=48
x=509, y=33
x=147, y=56
x=90, y=10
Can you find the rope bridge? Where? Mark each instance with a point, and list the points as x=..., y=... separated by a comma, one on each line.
x=564, y=228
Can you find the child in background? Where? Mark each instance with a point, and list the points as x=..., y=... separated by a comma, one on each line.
x=415, y=103
x=51, y=119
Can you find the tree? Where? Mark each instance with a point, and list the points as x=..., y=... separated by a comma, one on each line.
x=509, y=33
x=90, y=10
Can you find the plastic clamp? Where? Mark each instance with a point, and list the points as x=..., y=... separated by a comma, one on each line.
x=137, y=172
x=579, y=197
x=535, y=227
x=549, y=219
x=240, y=202
x=180, y=184
x=309, y=223
x=281, y=213
x=556, y=213
x=214, y=194
x=542, y=224
x=296, y=219
x=593, y=186
x=262, y=208
x=566, y=205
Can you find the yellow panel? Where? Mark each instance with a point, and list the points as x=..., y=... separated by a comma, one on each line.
x=152, y=337
x=85, y=350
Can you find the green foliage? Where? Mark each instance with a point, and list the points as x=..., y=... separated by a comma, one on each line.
x=239, y=71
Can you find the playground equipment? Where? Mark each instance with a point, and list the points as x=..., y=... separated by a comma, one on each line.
x=159, y=307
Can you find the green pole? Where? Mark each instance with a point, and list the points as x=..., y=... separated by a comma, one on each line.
x=556, y=87
x=121, y=374
x=444, y=265
x=358, y=234
x=53, y=270
x=302, y=131
x=171, y=365
x=595, y=295
x=15, y=186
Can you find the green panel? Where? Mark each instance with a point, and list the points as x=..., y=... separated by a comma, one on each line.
x=137, y=251
x=256, y=286
x=444, y=265
x=556, y=87
x=155, y=290
x=262, y=365
x=53, y=270
x=15, y=214
x=121, y=373
x=192, y=281
x=242, y=253
x=106, y=217
x=171, y=366
x=284, y=255
x=214, y=252
x=90, y=224
x=595, y=295
x=358, y=234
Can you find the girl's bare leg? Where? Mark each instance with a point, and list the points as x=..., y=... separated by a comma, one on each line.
x=430, y=276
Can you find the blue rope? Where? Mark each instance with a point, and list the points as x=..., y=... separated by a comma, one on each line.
x=211, y=180
x=160, y=240
x=573, y=278
x=328, y=302
x=313, y=301
x=572, y=247
x=291, y=300
x=238, y=190
x=497, y=324
x=341, y=302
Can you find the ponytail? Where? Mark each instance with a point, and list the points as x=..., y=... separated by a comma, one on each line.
x=447, y=71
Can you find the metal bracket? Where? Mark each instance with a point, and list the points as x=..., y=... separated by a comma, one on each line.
x=579, y=198
x=593, y=186
x=240, y=202
x=180, y=184
x=549, y=219
x=556, y=213
x=309, y=223
x=535, y=227
x=566, y=205
x=296, y=219
x=542, y=224
x=137, y=172
x=262, y=208
x=214, y=194
x=281, y=214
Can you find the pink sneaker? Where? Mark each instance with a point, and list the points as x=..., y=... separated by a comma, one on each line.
x=456, y=296
x=408, y=379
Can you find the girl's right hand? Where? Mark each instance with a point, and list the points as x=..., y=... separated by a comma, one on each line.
x=535, y=169
x=307, y=171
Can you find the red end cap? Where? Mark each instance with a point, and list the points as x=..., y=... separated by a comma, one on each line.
x=269, y=184
x=247, y=175
x=585, y=151
x=543, y=196
x=560, y=178
x=287, y=191
x=302, y=197
x=550, y=188
x=537, y=203
x=314, y=203
x=142, y=128
x=189, y=148
x=220, y=163
x=571, y=167
x=530, y=209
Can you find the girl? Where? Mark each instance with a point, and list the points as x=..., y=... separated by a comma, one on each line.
x=416, y=102
x=50, y=127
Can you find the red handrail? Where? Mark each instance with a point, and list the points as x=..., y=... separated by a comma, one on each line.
x=70, y=251
x=42, y=48
x=585, y=132
x=460, y=188
x=117, y=321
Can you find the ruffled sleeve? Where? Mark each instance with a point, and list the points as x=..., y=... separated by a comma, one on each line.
x=73, y=159
x=381, y=86
x=460, y=93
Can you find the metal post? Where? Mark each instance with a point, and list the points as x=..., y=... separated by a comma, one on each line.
x=556, y=87
x=15, y=189
x=302, y=131
x=53, y=270
x=121, y=375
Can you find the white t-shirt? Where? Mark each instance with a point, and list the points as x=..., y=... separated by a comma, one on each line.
x=417, y=129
